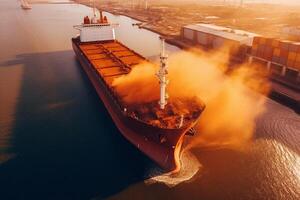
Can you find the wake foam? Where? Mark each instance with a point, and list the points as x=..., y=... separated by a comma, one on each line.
x=189, y=168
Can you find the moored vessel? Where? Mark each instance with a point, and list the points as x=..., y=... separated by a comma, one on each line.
x=157, y=128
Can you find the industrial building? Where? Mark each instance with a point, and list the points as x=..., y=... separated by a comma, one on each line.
x=280, y=58
x=213, y=36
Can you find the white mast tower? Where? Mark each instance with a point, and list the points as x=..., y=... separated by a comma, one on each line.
x=94, y=18
x=161, y=74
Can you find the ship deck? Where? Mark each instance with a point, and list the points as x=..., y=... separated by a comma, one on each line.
x=111, y=59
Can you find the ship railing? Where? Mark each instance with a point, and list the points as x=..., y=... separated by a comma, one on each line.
x=79, y=27
x=112, y=93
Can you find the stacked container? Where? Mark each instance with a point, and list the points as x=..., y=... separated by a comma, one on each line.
x=283, y=57
x=187, y=34
x=281, y=52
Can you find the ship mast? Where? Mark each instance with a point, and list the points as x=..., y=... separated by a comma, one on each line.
x=94, y=19
x=162, y=76
x=94, y=8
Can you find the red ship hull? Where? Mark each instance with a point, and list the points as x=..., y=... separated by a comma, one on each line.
x=145, y=137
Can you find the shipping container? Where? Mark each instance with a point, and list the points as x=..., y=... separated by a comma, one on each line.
x=202, y=38
x=283, y=52
x=292, y=74
x=276, y=69
x=188, y=34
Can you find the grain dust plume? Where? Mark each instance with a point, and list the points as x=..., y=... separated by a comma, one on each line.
x=231, y=107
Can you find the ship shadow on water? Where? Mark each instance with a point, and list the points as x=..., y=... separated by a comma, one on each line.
x=65, y=142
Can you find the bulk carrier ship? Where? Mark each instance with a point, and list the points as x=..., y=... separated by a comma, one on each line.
x=156, y=128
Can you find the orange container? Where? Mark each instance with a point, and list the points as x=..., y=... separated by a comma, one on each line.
x=297, y=65
x=255, y=46
x=290, y=63
x=276, y=52
x=269, y=42
x=298, y=49
x=261, y=50
x=262, y=40
x=292, y=56
x=256, y=40
x=268, y=53
x=284, y=45
x=275, y=43
x=254, y=52
x=293, y=47
x=283, y=56
x=284, y=53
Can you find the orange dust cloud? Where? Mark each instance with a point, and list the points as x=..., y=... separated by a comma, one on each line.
x=231, y=107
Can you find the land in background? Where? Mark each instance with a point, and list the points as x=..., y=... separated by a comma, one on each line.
x=168, y=18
